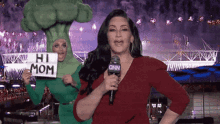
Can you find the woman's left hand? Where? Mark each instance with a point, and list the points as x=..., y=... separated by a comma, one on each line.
x=67, y=79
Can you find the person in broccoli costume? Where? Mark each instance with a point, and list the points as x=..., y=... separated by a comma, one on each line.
x=55, y=17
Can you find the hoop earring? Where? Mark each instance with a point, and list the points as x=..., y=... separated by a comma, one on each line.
x=132, y=48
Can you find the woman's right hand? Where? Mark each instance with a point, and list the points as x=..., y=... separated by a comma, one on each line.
x=26, y=76
x=110, y=83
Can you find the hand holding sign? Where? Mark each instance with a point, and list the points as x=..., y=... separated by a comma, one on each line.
x=26, y=76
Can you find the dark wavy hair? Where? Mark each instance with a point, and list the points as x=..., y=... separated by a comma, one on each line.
x=99, y=59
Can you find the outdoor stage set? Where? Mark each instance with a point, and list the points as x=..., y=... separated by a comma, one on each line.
x=195, y=70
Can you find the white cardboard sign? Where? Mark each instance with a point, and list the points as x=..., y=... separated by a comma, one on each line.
x=42, y=64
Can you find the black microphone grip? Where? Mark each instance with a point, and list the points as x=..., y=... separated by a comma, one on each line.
x=112, y=96
x=114, y=68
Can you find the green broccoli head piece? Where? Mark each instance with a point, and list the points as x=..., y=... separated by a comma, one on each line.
x=42, y=14
x=55, y=17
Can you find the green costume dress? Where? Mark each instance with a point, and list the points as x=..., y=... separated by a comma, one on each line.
x=64, y=94
x=55, y=17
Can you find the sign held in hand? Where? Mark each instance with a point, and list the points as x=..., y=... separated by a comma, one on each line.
x=42, y=64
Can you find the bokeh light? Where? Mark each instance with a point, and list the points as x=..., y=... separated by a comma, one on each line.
x=81, y=29
x=190, y=18
x=153, y=20
x=201, y=18
x=94, y=27
x=139, y=22
x=180, y=19
x=168, y=22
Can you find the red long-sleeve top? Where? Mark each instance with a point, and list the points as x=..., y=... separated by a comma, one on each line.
x=133, y=91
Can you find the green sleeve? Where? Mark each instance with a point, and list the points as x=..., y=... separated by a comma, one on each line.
x=75, y=76
x=37, y=94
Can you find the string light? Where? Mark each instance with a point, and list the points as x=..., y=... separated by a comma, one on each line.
x=37, y=45
x=81, y=29
x=94, y=27
x=180, y=19
x=217, y=21
x=168, y=22
x=2, y=34
x=190, y=18
x=144, y=42
x=209, y=22
x=8, y=39
x=153, y=20
x=26, y=34
x=42, y=45
x=21, y=47
x=201, y=18
x=139, y=22
x=213, y=22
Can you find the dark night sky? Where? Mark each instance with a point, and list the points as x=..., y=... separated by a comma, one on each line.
x=161, y=10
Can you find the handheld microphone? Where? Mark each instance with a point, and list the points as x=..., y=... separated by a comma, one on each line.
x=114, y=68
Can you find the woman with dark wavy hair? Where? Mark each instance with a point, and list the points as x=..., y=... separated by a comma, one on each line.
x=119, y=36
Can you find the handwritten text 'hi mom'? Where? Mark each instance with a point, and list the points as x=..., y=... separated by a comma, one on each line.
x=42, y=64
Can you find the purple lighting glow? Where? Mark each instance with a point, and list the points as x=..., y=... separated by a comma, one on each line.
x=159, y=20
